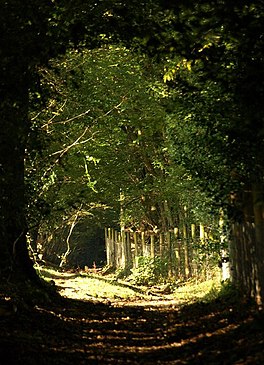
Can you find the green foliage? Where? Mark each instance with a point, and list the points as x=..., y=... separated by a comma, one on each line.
x=150, y=271
x=225, y=293
x=208, y=117
x=214, y=97
x=115, y=121
x=120, y=142
x=197, y=125
x=206, y=256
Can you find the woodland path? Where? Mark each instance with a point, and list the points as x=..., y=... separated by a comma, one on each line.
x=75, y=331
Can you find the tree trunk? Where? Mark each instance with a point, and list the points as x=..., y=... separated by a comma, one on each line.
x=247, y=245
x=258, y=205
x=14, y=258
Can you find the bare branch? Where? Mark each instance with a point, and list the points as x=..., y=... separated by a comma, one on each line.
x=71, y=119
x=77, y=141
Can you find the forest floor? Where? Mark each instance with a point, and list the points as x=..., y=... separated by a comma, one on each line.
x=92, y=324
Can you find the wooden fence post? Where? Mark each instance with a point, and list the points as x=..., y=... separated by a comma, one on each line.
x=186, y=253
x=110, y=247
x=118, y=252
x=169, y=245
x=113, y=256
x=161, y=244
x=177, y=251
x=193, y=227
x=136, y=249
x=202, y=241
x=108, y=253
x=124, y=248
x=152, y=245
x=202, y=235
x=194, y=250
x=143, y=243
x=129, y=250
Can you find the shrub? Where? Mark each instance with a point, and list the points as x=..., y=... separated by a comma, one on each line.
x=150, y=271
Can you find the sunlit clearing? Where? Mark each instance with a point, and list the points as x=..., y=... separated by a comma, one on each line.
x=96, y=287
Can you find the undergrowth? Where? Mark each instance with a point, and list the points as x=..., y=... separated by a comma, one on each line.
x=149, y=271
x=140, y=284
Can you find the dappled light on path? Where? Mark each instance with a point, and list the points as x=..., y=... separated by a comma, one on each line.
x=71, y=331
x=86, y=333
x=108, y=289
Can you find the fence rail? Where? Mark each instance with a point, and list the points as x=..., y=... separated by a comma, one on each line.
x=186, y=249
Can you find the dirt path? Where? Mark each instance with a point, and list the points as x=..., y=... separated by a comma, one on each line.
x=74, y=331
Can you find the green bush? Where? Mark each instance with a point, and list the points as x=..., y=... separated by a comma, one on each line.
x=150, y=271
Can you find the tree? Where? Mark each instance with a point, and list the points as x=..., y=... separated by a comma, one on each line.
x=15, y=81
x=226, y=62
x=120, y=144
x=208, y=33
x=33, y=33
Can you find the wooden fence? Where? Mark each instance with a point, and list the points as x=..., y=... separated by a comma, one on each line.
x=185, y=249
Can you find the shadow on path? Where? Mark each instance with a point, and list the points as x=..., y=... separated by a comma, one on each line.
x=79, y=332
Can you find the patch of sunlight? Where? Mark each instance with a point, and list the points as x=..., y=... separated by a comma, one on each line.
x=85, y=286
x=100, y=288
x=192, y=291
x=50, y=273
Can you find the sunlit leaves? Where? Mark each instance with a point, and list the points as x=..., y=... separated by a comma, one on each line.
x=174, y=67
x=110, y=134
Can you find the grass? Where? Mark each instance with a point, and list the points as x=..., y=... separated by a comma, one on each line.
x=90, y=286
x=87, y=286
x=197, y=291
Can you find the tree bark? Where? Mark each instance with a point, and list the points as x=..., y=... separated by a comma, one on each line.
x=14, y=258
x=247, y=244
x=258, y=205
